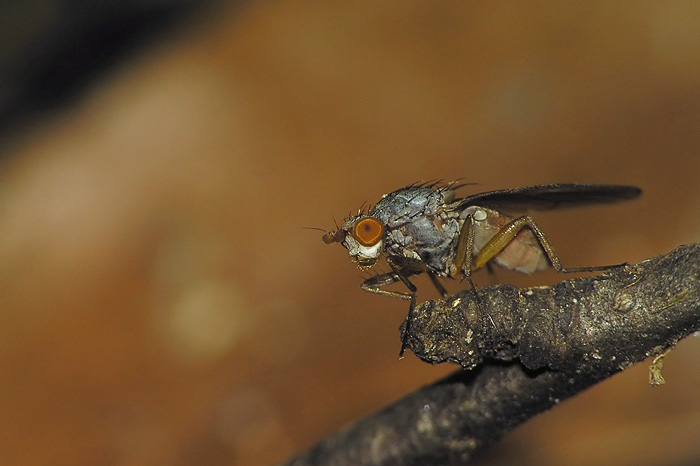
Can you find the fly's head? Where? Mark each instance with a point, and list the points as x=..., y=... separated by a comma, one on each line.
x=362, y=236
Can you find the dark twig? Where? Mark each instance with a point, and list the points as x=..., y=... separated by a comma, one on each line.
x=526, y=350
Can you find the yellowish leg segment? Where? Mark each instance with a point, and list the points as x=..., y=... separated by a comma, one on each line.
x=500, y=240
x=465, y=245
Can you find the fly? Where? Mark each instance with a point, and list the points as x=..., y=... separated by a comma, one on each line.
x=425, y=228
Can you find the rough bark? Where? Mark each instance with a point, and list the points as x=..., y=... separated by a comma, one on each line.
x=522, y=352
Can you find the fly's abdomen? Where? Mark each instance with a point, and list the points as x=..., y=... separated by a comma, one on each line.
x=523, y=254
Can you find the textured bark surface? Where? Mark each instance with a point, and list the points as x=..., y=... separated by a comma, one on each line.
x=525, y=351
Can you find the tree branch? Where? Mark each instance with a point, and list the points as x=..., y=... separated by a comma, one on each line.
x=526, y=350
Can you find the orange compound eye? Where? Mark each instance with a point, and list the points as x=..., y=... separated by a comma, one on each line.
x=368, y=231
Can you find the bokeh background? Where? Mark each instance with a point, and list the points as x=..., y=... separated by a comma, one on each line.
x=162, y=303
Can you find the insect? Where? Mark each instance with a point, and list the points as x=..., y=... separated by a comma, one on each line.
x=425, y=228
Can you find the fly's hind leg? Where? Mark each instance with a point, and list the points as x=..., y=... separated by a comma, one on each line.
x=501, y=239
x=374, y=284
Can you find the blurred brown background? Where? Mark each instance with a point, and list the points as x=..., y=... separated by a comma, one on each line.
x=161, y=303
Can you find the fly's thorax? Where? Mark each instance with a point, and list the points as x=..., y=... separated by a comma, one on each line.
x=406, y=204
x=398, y=244
x=428, y=238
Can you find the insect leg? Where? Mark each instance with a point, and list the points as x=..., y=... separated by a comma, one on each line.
x=501, y=239
x=436, y=282
x=463, y=257
x=373, y=285
x=465, y=245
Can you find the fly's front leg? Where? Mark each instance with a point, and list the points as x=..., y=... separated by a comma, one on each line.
x=504, y=236
x=374, y=284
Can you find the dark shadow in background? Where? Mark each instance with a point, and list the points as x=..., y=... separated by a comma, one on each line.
x=51, y=50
